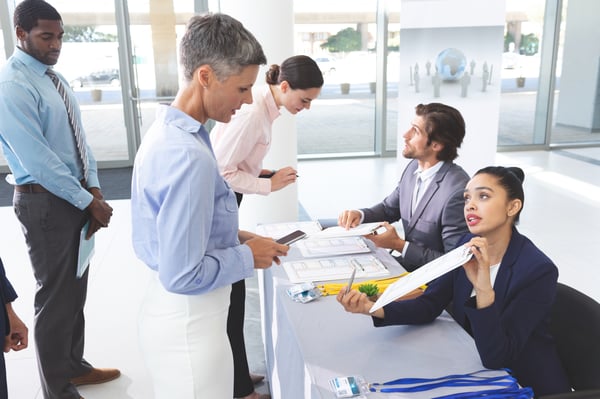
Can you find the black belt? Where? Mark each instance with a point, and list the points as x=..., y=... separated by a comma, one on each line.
x=30, y=188
x=36, y=188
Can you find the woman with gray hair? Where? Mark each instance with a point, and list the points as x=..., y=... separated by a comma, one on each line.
x=185, y=216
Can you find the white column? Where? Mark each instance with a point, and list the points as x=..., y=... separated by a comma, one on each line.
x=272, y=22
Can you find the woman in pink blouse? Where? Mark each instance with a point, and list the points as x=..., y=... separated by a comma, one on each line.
x=241, y=144
x=240, y=147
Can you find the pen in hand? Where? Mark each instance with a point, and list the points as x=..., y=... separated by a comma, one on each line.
x=350, y=282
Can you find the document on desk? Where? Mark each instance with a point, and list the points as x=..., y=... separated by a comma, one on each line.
x=334, y=268
x=339, y=231
x=278, y=230
x=423, y=275
x=312, y=247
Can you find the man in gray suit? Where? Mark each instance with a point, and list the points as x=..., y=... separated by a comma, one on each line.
x=429, y=195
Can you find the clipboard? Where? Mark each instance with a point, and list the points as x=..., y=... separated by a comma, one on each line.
x=339, y=231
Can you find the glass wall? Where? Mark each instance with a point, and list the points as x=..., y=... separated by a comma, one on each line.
x=90, y=61
x=121, y=60
x=576, y=104
x=342, y=38
x=520, y=72
x=550, y=75
x=155, y=26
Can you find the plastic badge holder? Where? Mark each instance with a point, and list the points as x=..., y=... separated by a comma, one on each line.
x=349, y=387
x=304, y=292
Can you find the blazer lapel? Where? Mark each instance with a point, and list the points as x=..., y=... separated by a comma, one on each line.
x=505, y=273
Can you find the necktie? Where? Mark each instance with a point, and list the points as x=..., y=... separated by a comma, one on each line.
x=72, y=121
x=415, y=199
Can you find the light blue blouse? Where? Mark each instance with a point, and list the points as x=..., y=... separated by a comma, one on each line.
x=184, y=214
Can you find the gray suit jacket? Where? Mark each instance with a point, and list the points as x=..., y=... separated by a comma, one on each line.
x=438, y=222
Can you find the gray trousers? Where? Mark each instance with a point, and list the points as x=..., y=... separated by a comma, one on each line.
x=52, y=227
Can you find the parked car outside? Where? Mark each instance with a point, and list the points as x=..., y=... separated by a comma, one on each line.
x=326, y=64
x=100, y=77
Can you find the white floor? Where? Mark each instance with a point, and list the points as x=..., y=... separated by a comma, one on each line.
x=561, y=215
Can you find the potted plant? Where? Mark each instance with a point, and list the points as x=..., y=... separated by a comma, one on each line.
x=96, y=94
x=371, y=290
x=520, y=79
x=345, y=88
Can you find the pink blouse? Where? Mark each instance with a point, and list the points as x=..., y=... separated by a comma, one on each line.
x=241, y=145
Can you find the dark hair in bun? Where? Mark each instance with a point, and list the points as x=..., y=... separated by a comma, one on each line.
x=300, y=71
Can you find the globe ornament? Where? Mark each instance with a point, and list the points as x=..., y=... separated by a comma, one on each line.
x=451, y=64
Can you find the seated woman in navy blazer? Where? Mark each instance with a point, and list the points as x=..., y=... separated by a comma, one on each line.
x=502, y=296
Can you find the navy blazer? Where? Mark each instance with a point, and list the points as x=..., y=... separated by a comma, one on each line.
x=438, y=221
x=7, y=294
x=511, y=333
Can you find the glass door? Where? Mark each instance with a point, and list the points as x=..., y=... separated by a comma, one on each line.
x=341, y=120
x=90, y=61
x=154, y=28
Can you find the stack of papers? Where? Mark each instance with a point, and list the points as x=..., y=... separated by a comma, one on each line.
x=312, y=247
x=336, y=268
x=423, y=275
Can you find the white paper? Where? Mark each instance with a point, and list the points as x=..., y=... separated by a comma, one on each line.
x=334, y=268
x=423, y=275
x=86, y=250
x=339, y=231
x=278, y=230
x=312, y=247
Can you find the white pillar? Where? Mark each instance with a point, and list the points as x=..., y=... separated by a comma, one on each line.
x=272, y=23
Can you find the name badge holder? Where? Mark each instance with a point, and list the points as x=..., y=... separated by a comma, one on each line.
x=507, y=386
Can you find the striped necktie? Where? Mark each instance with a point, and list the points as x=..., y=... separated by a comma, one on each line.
x=72, y=121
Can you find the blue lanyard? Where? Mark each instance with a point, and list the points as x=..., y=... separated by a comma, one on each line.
x=510, y=387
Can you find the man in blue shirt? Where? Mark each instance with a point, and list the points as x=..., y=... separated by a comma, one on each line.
x=56, y=193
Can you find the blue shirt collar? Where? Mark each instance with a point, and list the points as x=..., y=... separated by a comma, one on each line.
x=32, y=63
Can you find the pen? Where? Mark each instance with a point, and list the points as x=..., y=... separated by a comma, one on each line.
x=374, y=229
x=350, y=281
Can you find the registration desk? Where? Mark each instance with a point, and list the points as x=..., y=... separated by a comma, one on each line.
x=308, y=344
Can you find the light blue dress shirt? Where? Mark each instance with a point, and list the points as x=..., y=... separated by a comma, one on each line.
x=37, y=139
x=184, y=214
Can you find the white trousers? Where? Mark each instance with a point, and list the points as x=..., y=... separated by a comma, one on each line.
x=184, y=343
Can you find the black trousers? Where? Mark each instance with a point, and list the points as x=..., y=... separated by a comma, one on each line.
x=51, y=227
x=3, y=386
x=242, y=383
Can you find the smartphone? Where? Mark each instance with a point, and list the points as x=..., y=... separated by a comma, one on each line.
x=292, y=237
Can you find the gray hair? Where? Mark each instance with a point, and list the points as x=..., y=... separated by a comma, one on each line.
x=220, y=41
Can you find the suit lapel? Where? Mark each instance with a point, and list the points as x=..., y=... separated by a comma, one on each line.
x=505, y=273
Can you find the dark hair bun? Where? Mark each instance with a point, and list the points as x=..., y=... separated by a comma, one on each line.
x=517, y=172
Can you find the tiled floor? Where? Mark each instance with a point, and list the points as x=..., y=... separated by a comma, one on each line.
x=561, y=215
